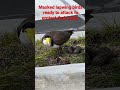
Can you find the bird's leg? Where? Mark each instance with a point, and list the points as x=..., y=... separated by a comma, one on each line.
x=59, y=51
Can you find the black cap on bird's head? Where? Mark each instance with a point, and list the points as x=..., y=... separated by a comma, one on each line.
x=27, y=23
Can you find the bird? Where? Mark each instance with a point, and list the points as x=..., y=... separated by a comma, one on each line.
x=56, y=39
x=88, y=15
x=26, y=30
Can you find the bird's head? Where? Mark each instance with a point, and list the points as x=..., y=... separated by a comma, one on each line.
x=26, y=31
x=47, y=40
x=27, y=36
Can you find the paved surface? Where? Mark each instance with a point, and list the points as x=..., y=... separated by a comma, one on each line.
x=63, y=77
x=114, y=88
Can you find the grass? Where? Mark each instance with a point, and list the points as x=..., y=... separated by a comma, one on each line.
x=42, y=52
x=103, y=77
x=105, y=36
x=16, y=64
x=107, y=75
x=80, y=41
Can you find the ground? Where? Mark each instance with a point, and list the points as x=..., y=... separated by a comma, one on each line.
x=47, y=56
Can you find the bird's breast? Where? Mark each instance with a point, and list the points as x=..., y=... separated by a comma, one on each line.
x=55, y=46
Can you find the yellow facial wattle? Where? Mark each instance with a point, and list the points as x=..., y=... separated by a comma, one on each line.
x=31, y=34
x=48, y=40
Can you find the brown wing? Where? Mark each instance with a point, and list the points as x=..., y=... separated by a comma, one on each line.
x=59, y=37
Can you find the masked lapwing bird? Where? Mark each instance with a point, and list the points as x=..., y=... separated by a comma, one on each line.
x=26, y=31
x=56, y=39
x=88, y=15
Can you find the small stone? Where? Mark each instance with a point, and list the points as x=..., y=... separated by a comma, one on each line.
x=77, y=50
x=104, y=57
x=70, y=49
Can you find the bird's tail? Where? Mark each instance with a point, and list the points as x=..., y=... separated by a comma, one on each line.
x=70, y=31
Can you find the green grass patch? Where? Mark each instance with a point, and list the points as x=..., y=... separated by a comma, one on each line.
x=107, y=75
x=42, y=52
x=16, y=64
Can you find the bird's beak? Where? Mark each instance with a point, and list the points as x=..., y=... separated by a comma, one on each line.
x=48, y=40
